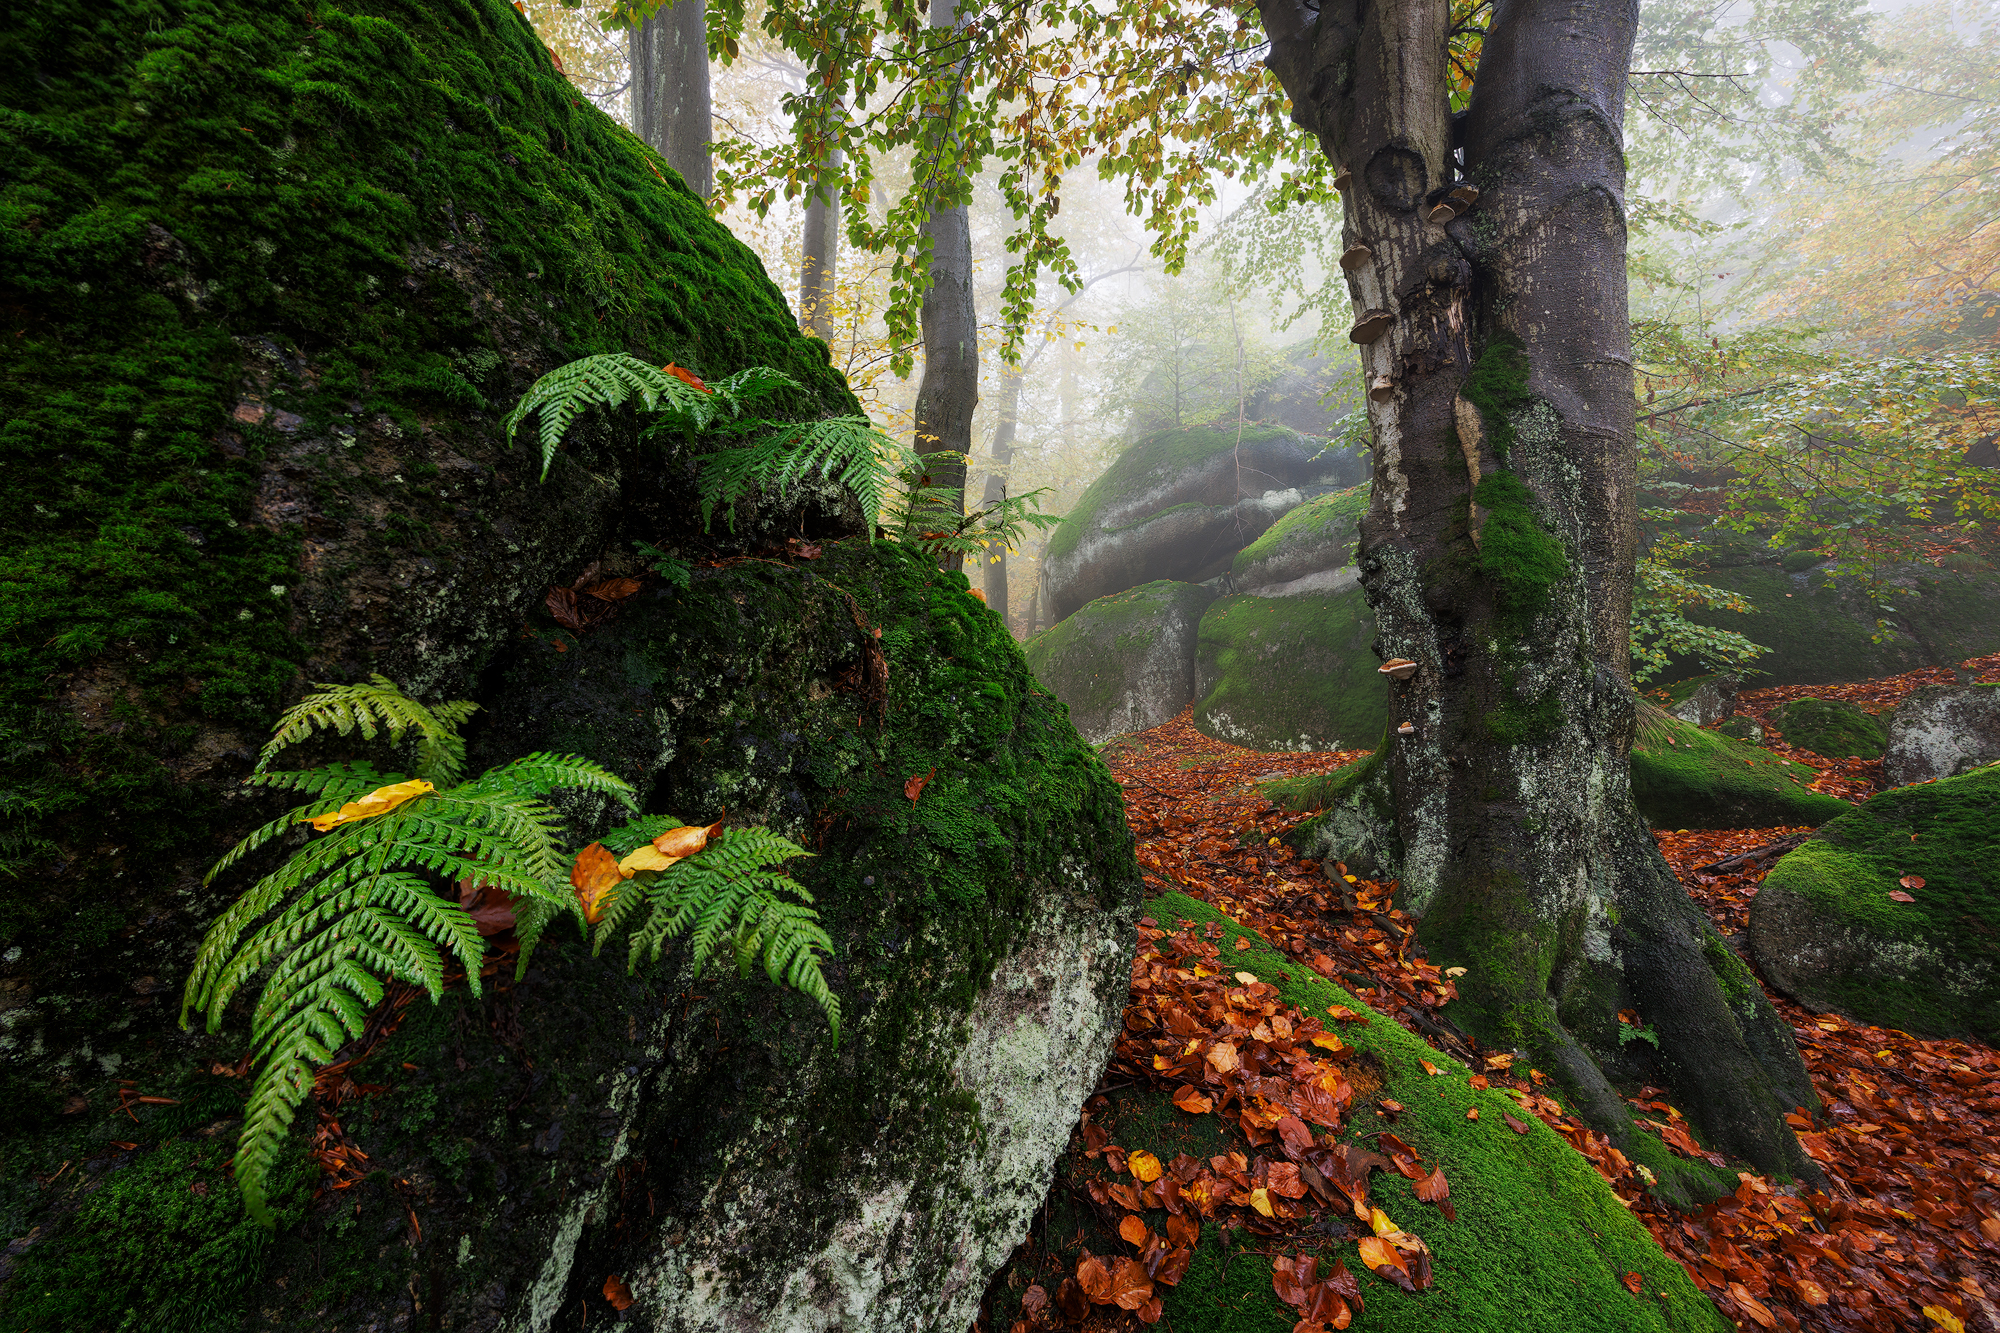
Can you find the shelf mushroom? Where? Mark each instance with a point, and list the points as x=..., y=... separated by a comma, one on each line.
x=1372, y=325
x=1407, y=729
x=1397, y=668
x=1462, y=198
x=1443, y=211
x=1382, y=388
x=1356, y=256
x=1342, y=179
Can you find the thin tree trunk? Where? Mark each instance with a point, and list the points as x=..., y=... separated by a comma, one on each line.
x=670, y=98
x=821, y=247
x=950, y=388
x=1011, y=378
x=1498, y=554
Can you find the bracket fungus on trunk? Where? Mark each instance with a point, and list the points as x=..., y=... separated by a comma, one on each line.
x=1342, y=179
x=1372, y=325
x=1398, y=668
x=1407, y=729
x=1382, y=388
x=1355, y=257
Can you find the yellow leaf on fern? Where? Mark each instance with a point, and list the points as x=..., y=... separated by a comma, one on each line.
x=594, y=876
x=378, y=802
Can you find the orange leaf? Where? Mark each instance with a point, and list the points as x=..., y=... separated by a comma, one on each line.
x=1328, y=1041
x=1133, y=1231
x=914, y=788
x=686, y=840
x=1343, y=1014
x=594, y=876
x=1895, y=895
x=1193, y=1102
x=1911, y=881
x=1130, y=1287
x=1383, y=1259
x=617, y=1292
x=1812, y=1293
x=1758, y=1311
x=1430, y=1068
x=1479, y=1082
x=1634, y=1283
x=1094, y=1278
x=1144, y=1166
x=1223, y=1056
x=378, y=802
x=686, y=376
x=1472, y=1114
x=1432, y=1188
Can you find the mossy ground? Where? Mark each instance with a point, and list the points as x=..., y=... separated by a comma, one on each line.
x=1948, y=834
x=1290, y=672
x=1540, y=1241
x=1830, y=728
x=1686, y=777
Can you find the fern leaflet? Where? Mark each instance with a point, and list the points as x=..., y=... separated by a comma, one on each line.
x=378, y=706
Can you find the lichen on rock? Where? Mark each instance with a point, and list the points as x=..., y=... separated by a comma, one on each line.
x=1124, y=662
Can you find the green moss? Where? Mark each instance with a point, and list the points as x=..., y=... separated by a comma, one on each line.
x=160, y=1244
x=1144, y=463
x=1686, y=777
x=344, y=211
x=1830, y=728
x=1312, y=520
x=1290, y=672
x=1096, y=657
x=1521, y=558
x=1496, y=1266
x=1930, y=966
x=1497, y=386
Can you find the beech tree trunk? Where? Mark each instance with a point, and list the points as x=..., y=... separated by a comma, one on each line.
x=950, y=325
x=821, y=247
x=1498, y=554
x=670, y=99
x=1011, y=378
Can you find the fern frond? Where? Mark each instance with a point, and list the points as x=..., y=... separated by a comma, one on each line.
x=728, y=895
x=540, y=773
x=609, y=380
x=335, y=785
x=747, y=386
x=531, y=918
x=629, y=837
x=377, y=706
x=849, y=450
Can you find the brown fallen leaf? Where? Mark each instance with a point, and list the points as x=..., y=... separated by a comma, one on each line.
x=686, y=376
x=1386, y=1262
x=613, y=590
x=1753, y=1307
x=1634, y=1283
x=1911, y=881
x=1513, y=1124
x=1094, y=1278
x=1898, y=896
x=1130, y=1287
x=1071, y=1300
x=1144, y=1166
x=595, y=876
x=1472, y=1114
x=1479, y=1082
x=1133, y=1231
x=914, y=788
x=617, y=1292
x=1193, y=1102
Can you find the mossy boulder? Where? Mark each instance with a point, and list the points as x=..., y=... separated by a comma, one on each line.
x=1354, y=820
x=1310, y=549
x=1687, y=777
x=1493, y=1264
x=1179, y=504
x=1829, y=728
x=1124, y=662
x=1822, y=631
x=1824, y=929
x=1943, y=730
x=275, y=271
x=703, y=1137
x=1290, y=673
x=1704, y=701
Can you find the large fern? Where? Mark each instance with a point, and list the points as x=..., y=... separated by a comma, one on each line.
x=849, y=450
x=361, y=904
x=729, y=898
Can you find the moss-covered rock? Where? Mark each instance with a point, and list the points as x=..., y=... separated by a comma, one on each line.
x=1124, y=662
x=1494, y=1266
x=1821, y=631
x=1686, y=777
x=1310, y=549
x=1943, y=730
x=1824, y=928
x=274, y=271
x=1704, y=701
x=1180, y=504
x=1829, y=728
x=1354, y=820
x=1290, y=673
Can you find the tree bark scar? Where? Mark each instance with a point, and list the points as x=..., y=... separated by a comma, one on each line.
x=1470, y=437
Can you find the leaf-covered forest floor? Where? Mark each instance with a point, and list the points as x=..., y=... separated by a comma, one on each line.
x=1907, y=1237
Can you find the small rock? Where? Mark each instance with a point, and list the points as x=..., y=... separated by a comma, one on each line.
x=1942, y=731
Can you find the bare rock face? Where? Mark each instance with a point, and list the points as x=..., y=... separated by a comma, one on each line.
x=1180, y=504
x=1124, y=662
x=1943, y=730
x=1705, y=700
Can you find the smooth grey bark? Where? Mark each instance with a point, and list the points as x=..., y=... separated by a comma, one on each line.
x=821, y=249
x=1506, y=572
x=1011, y=378
x=670, y=96
x=950, y=389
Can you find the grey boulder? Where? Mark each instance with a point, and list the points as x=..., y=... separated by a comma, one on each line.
x=1124, y=662
x=1943, y=730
